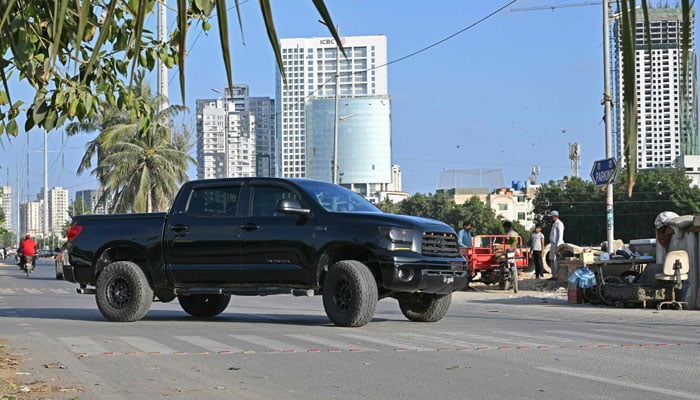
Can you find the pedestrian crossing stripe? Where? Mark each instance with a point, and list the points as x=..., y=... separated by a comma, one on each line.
x=8, y=291
x=129, y=346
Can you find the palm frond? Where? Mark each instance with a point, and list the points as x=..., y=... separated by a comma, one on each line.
x=223, y=38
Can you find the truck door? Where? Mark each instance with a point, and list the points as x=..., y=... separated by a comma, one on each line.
x=202, y=243
x=277, y=247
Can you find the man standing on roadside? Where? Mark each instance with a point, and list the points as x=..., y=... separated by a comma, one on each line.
x=464, y=237
x=556, y=238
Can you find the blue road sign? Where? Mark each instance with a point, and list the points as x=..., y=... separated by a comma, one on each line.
x=604, y=172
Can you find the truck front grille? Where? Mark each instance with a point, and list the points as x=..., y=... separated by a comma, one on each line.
x=438, y=244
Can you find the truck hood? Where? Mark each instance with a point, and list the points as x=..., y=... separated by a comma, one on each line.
x=424, y=224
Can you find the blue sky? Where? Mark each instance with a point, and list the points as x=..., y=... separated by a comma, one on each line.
x=510, y=93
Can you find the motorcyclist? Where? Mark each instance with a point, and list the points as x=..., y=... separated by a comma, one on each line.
x=28, y=249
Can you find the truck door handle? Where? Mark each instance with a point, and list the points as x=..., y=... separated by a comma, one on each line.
x=250, y=227
x=179, y=228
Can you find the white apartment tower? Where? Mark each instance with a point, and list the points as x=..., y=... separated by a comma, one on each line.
x=310, y=65
x=225, y=137
x=30, y=218
x=6, y=205
x=666, y=118
x=58, y=210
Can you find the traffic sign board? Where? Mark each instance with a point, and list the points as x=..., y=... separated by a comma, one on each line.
x=604, y=172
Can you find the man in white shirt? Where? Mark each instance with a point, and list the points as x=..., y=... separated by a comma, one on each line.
x=556, y=238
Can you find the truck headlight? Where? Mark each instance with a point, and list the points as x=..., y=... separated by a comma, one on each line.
x=395, y=238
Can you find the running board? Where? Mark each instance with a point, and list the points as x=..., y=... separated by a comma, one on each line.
x=244, y=291
x=81, y=290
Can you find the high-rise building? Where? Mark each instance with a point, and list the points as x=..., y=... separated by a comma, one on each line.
x=58, y=210
x=263, y=108
x=90, y=199
x=6, y=205
x=364, y=142
x=226, y=136
x=311, y=66
x=666, y=114
x=31, y=218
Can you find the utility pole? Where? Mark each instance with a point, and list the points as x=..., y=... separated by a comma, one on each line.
x=46, y=187
x=162, y=70
x=607, y=100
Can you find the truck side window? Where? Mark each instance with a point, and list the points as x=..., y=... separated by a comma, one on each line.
x=263, y=200
x=214, y=201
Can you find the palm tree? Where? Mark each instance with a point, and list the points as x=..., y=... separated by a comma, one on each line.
x=140, y=165
x=143, y=173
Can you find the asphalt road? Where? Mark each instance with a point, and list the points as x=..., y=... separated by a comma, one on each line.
x=492, y=344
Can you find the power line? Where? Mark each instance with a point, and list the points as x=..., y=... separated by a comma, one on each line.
x=459, y=32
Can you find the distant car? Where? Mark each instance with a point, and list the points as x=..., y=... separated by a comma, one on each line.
x=43, y=253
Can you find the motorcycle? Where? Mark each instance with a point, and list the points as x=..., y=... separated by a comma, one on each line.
x=508, y=270
x=27, y=264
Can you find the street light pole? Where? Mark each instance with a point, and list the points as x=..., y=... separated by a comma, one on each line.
x=607, y=100
x=336, y=120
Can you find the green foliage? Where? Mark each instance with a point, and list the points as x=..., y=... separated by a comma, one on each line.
x=78, y=207
x=438, y=206
x=79, y=56
x=581, y=205
x=9, y=239
x=139, y=171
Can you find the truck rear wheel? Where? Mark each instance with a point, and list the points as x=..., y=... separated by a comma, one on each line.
x=204, y=305
x=123, y=292
x=349, y=294
x=425, y=307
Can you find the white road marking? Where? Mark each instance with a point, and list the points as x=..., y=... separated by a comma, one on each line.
x=442, y=341
x=32, y=291
x=146, y=345
x=7, y=291
x=330, y=343
x=616, y=382
x=267, y=343
x=208, y=344
x=81, y=344
x=391, y=343
x=588, y=337
x=60, y=291
x=494, y=339
x=665, y=338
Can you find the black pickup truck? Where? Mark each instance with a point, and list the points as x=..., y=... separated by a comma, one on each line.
x=262, y=236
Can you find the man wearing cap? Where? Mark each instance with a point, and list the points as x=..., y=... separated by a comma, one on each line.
x=556, y=238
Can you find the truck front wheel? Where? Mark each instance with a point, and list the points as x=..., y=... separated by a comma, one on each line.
x=425, y=307
x=123, y=292
x=204, y=305
x=349, y=294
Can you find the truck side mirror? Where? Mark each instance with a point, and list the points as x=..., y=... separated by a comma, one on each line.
x=292, y=206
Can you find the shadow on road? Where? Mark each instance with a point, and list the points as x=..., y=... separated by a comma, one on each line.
x=93, y=315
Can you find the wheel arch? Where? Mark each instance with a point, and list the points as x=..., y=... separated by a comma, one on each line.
x=346, y=251
x=122, y=251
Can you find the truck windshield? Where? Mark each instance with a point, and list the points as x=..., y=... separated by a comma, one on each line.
x=336, y=198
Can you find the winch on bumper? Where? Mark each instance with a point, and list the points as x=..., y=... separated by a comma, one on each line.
x=427, y=276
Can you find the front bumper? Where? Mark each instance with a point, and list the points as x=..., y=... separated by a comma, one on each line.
x=415, y=274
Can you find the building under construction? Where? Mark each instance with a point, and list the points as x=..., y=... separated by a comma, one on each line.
x=667, y=110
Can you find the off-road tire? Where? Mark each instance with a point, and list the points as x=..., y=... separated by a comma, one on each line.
x=204, y=305
x=123, y=292
x=349, y=294
x=425, y=307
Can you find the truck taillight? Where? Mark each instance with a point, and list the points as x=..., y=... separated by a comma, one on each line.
x=73, y=231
